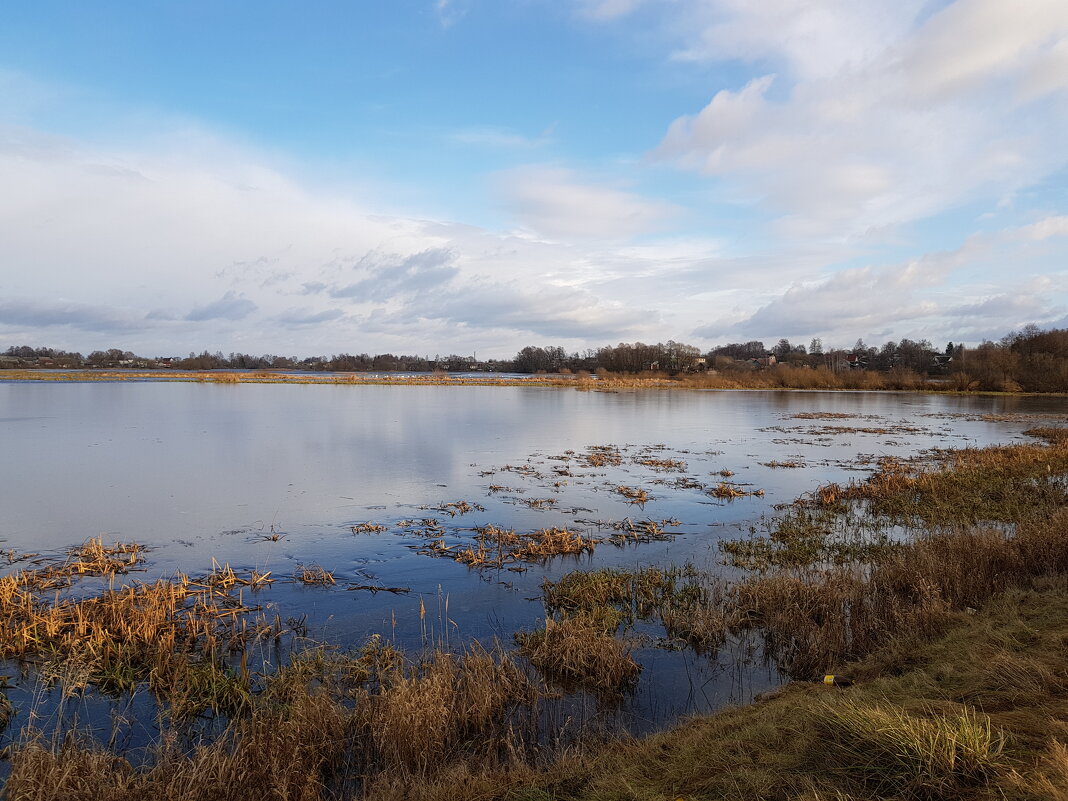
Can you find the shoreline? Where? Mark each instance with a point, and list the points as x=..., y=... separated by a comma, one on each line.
x=610, y=383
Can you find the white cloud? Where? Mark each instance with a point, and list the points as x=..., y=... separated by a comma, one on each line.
x=175, y=247
x=1044, y=229
x=964, y=292
x=555, y=202
x=877, y=116
x=607, y=9
x=450, y=12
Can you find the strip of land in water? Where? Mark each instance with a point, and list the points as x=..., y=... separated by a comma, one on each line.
x=776, y=378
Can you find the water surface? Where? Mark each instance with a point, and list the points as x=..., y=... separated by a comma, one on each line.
x=271, y=476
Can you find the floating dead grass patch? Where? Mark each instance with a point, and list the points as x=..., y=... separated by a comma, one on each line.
x=634, y=495
x=223, y=578
x=427, y=527
x=602, y=456
x=497, y=547
x=91, y=558
x=664, y=465
x=314, y=574
x=525, y=470
x=726, y=491
x=456, y=508
x=368, y=528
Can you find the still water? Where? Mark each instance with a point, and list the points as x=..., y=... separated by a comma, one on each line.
x=273, y=476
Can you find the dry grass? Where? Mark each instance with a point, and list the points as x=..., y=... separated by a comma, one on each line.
x=665, y=465
x=327, y=726
x=496, y=547
x=688, y=603
x=314, y=575
x=602, y=456
x=577, y=651
x=889, y=751
x=367, y=528
x=634, y=495
x=927, y=721
x=373, y=722
x=729, y=492
x=1007, y=483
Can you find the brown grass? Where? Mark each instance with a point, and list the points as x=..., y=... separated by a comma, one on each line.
x=602, y=456
x=315, y=575
x=367, y=528
x=327, y=726
x=634, y=495
x=576, y=651
x=928, y=720
x=497, y=547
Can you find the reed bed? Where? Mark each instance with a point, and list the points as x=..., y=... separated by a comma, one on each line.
x=779, y=377
x=815, y=615
x=578, y=651
x=173, y=636
x=336, y=725
x=969, y=486
x=687, y=602
x=328, y=725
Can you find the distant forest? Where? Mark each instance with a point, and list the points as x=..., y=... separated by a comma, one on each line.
x=1029, y=360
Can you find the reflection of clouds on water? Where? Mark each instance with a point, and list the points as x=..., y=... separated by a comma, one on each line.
x=173, y=465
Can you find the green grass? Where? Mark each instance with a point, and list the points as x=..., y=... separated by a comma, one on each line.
x=971, y=715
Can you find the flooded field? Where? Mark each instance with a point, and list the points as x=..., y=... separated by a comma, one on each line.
x=430, y=516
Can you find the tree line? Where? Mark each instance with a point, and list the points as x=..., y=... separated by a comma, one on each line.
x=1029, y=360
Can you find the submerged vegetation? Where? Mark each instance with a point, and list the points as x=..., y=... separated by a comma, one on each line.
x=937, y=586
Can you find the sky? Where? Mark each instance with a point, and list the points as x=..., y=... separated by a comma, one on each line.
x=474, y=176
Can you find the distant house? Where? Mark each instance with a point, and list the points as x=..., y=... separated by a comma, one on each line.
x=760, y=362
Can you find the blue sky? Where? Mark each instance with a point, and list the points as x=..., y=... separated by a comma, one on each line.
x=478, y=175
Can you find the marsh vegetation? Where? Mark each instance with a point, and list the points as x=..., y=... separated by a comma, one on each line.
x=860, y=575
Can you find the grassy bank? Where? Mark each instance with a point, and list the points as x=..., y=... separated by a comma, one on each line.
x=979, y=712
